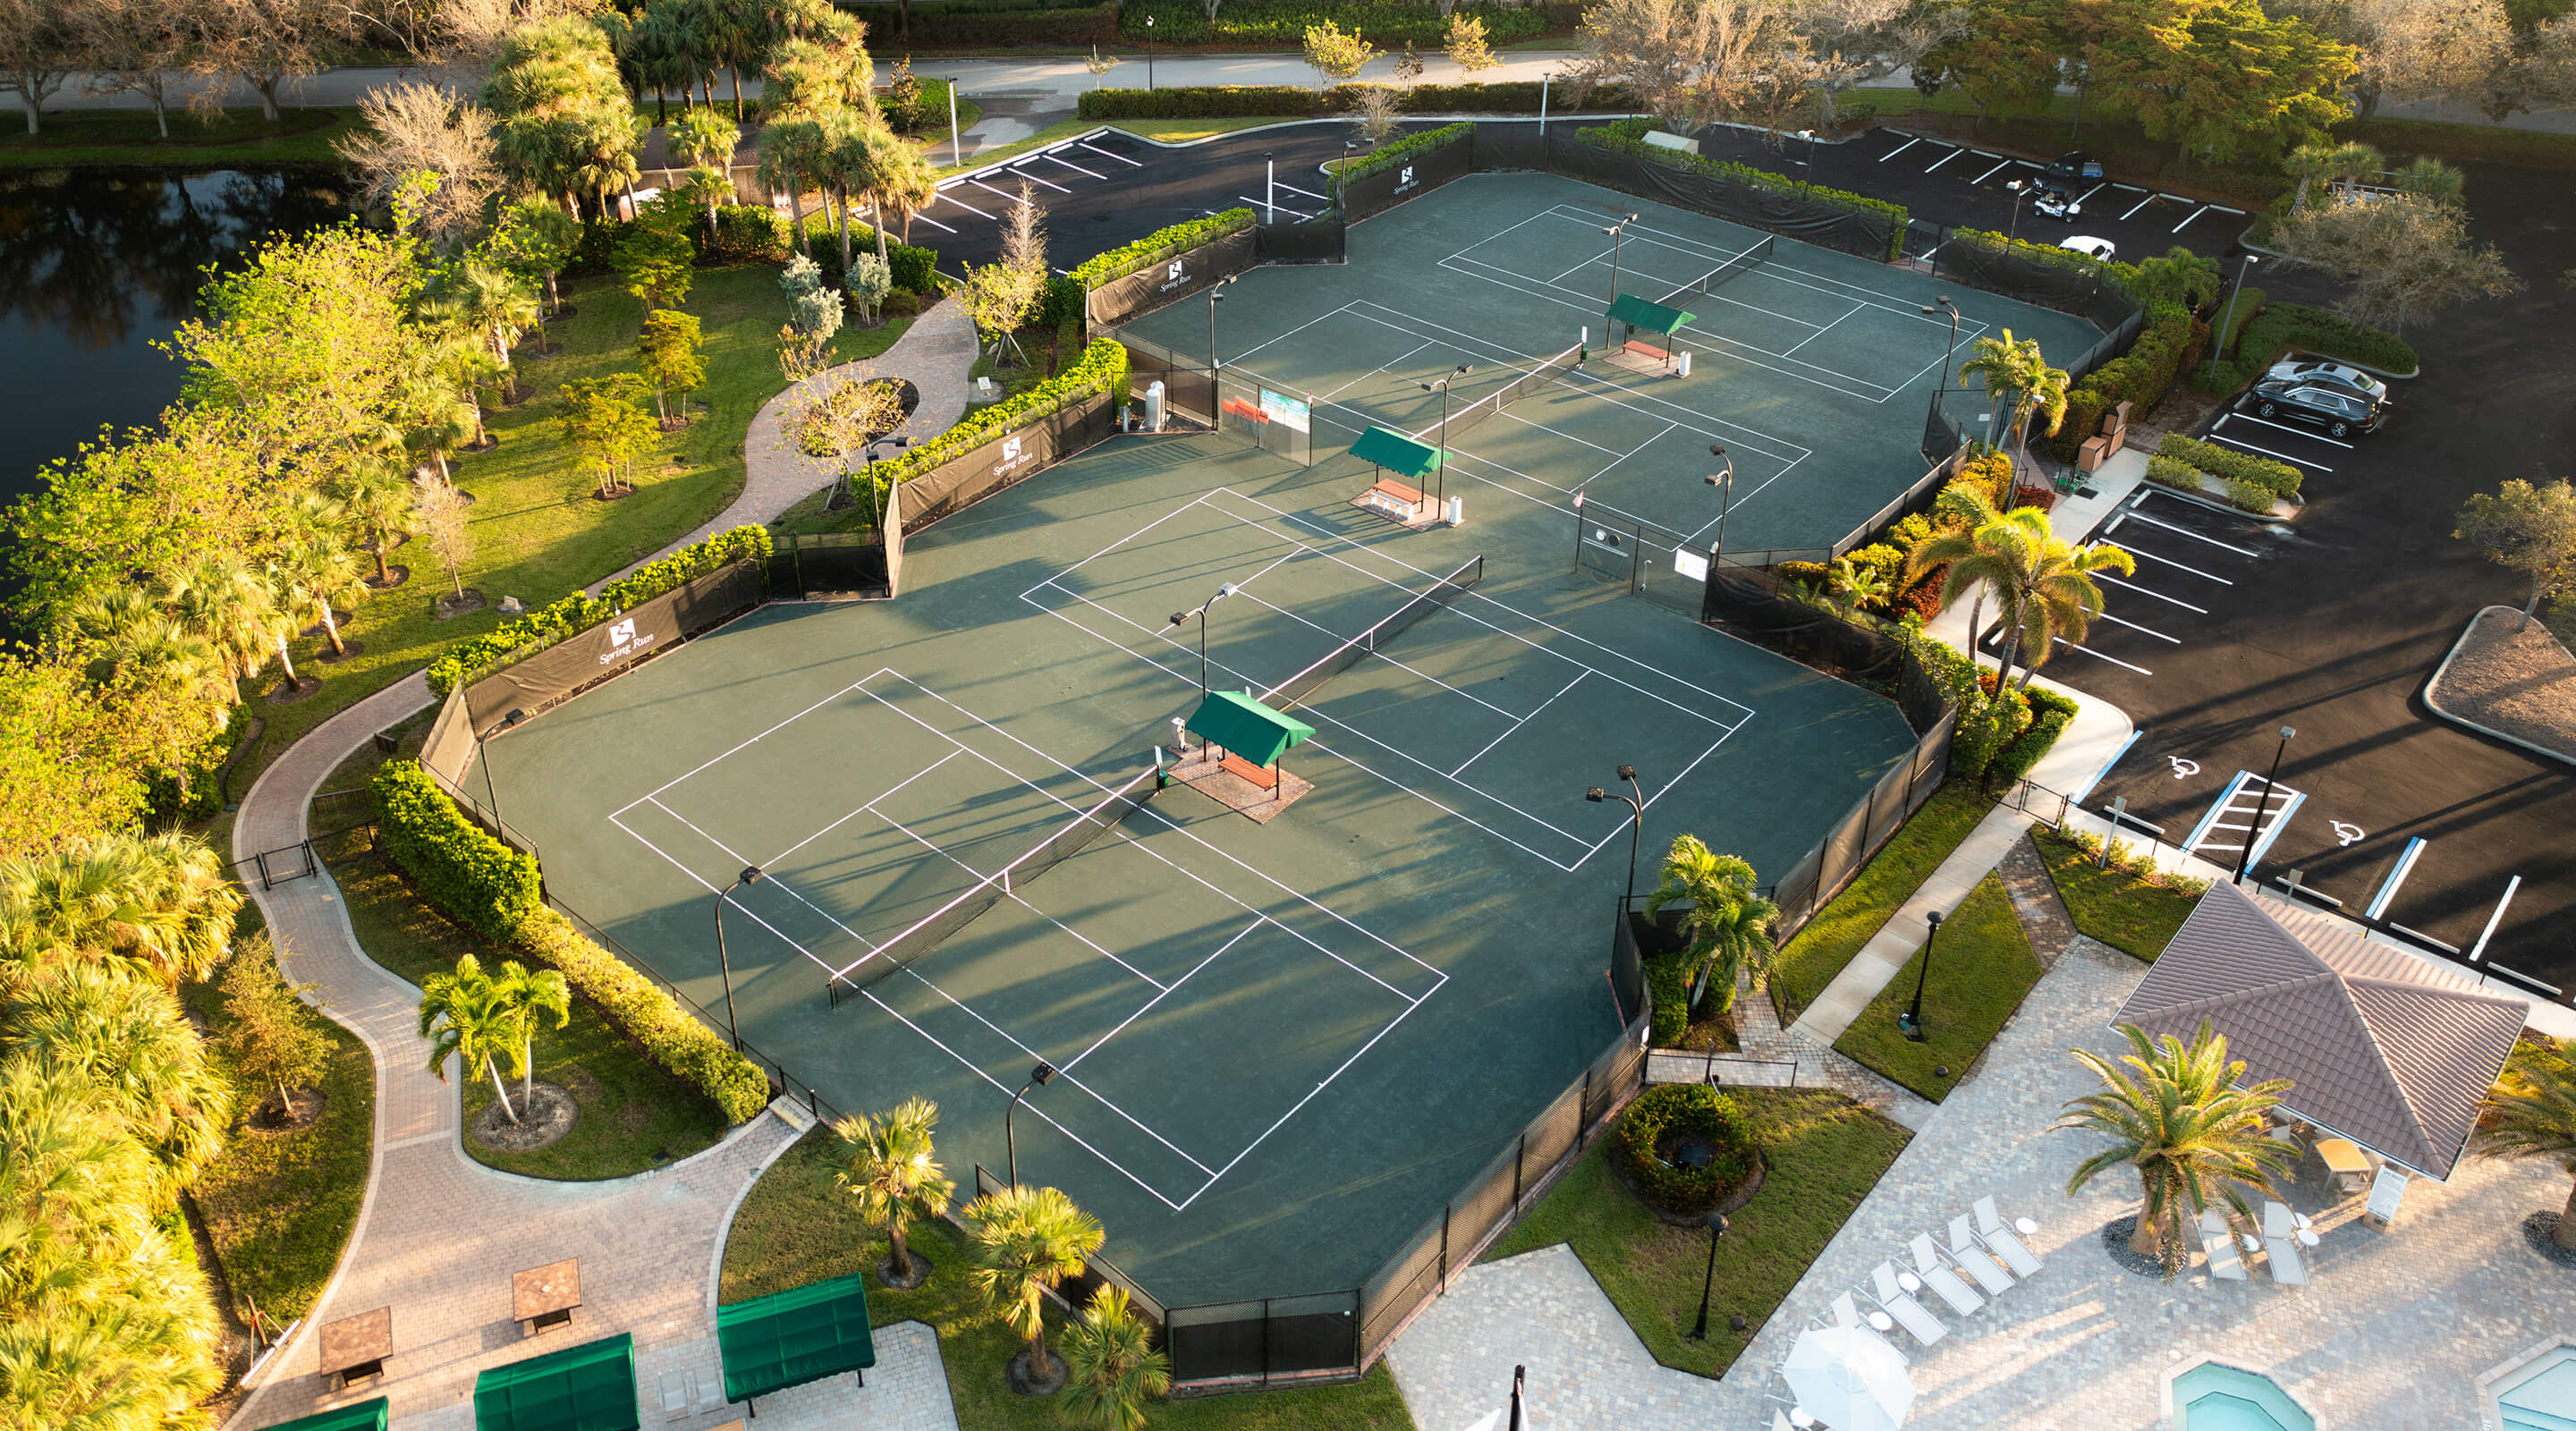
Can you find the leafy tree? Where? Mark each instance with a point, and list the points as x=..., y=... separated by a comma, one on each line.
x=466, y=1014
x=812, y=309
x=2531, y=1113
x=126, y=642
x=2175, y=1115
x=270, y=1033
x=1375, y=110
x=438, y=514
x=1465, y=45
x=1729, y=926
x=535, y=239
x=605, y=429
x=131, y=47
x=143, y=1063
x=2529, y=529
x=997, y=298
x=2422, y=51
x=1113, y=1368
x=889, y=1165
x=1858, y=42
x=1028, y=1240
x=2219, y=76
x=666, y=353
x=1335, y=57
x=2332, y=163
x=2005, y=54
x=2018, y=379
x=266, y=43
x=37, y=53
x=144, y=501
x=160, y=904
x=2403, y=257
x=1694, y=61
x=869, y=280
x=2179, y=276
x=658, y=263
x=64, y=765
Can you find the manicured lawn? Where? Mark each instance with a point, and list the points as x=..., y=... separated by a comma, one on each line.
x=538, y=534
x=1981, y=969
x=128, y=136
x=635, y=1116
x=2121, y=910
x=795, y=1227
x=1824, y=1152
x=1809, y=962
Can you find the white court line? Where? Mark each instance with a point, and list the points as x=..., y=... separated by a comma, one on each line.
x=951, y=196
x=2268, y=452
x=2089, y=193
x=2149, y=591
x=1517, y=724
x=2138, y=516
x=1013, y=896
x=2140, y=204
x=1016, y=172
x=2285, y=427
x=870, y=808
x=1899, y=149
x=1213, y=956
x=2178, y=566
x=1944, y=159
x=1096, y=149
x=1820, y=332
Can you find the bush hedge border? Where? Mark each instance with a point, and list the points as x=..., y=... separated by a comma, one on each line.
x=2281, y=327
x=1628, y=137
x=1244, y=101
x=2227, y=464
x=1686, y=1107
x=1388, y=156
x=1159, y=245
x=475, y=657
x=1103, y=368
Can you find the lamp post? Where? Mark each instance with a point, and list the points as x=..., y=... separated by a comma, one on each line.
x=1912, y=1020
x=1039, y=1077
x=490, y=797
x=1942, y=304
x=1440, y=502
x=1618, y=233
x=1636, y=804
x=1216, y=295
x=1724, y=482
x=1708, y=1280
x=1270, y=188
x=1808, y=135
x=2245, y=856
x=1178, y=617
x=874, y=496
x=1149, y=54
x=724, y=960
x=2229, y=320
x=2020, y=191
x=1518, y=1373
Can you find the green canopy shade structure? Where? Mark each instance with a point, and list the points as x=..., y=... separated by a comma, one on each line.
x=365, y=1416
x=1234, y=721
x=1644, y=317
x=790, y=1338
x=1397, y=453
x=584, y=1388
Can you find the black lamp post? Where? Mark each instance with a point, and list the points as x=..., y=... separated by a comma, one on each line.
x=2229, y=321
x=1216, y=295
x=1518, y=1373
x=1708, y=1281
x=2245, y=856
x=1440, y=502
x=1618, y=233
x=1636, y=804
x=1149, y=54
x=724, y=960
x=1942, y=304
x=1724, y=482
x=1178, y=617
x=490, y=797
x=1039, y=1076
x=1911, y=1021
x=2020, y=190
x=874, y=496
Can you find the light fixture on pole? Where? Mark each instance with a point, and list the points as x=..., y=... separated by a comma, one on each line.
x=2227, y=323
x=2245, y=856
x=1942, y=304
x=1911, y=1021
x=1039, y=1077
x=1725, y=483
x=1149, y=54
x=1708, y=1279
x=1216, y=295
x=1636, y=804
x=2020, y=190
x=1440, y=502
x=1618, y=234
x=724, y=960
x=490, y=796
x=1178, y=617
x=1518, y=1373
x=1808, y=135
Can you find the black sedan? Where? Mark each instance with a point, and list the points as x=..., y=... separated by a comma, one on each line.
x=2339, y=411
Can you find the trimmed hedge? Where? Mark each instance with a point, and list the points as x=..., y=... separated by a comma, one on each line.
x=968, y=24
x=1668, y=994
x=1387, y=156
x=2121, y=276
x=476, y=657
x=1685, y=1108
x=2228, y=464
x=479, y=881
x=2173, y=472
x=2248, y=304
x=1627, y=137
x=2252, y=496
x=1103, y=369
x=1159, y=245
x=2169, y=341
x=665, y=1031
x=1282, y=23
x=2283, y=326
x=1298, y=101
x=2027, y=749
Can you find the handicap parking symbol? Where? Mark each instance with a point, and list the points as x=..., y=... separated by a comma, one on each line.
x=2183, y=769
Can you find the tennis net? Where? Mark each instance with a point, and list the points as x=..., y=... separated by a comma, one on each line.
x=1549, y=370
x=942, y=924
x=1726, y=272
x=1298, y=688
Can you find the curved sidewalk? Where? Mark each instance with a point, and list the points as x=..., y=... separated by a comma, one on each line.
x=438, y=1234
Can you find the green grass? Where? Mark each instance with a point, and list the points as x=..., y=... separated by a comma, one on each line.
x=1182, y=131
x=126, y=136
x=1824, y=1154
x=795, y=1227
x=1983, y=969
x=538, y=534
x=1062, y=129
x=1810, y=961
x=279, y=1207
x=635, y=1115
x=2122, y=910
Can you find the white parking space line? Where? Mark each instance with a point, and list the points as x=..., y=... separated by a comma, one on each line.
x=2285, y=427
x=1034, y=179
x=2098, y=656
x=989, y=189
x=2132, y=625
x=936, y=224
x=2088, y=196
x=2151, y=591
x=1899, y=149
x=1105, y=153
x=2142, y=203
x=2178, y=566
x=1300, y=215
x=1291, y=188
x=1990, y=173
x=1054, y=157
x=951, y=197
x=2188, y=532
x=1944, y=159
x=2196, y=213
x=2268, y=452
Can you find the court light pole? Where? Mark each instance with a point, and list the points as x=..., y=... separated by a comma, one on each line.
x=1708, y=1279
x=1039, y=1077
x=1725, y=483
x=1636, y=804
x=1518, y=1373
x=491, y=797
x=1911, y=1021
x=1942, y=304
x=1178, y=617
x=1216, y=295
x=2229, y=321
x=724, y=960
x=1618, y=233
x=2245, y=856
x=1440, y=503
x=1270, y=189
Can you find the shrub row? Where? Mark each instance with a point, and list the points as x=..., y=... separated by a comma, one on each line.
x=2114, y=274
x=2228, y=464
x=1237, y=101
x=476, y=657
x=2169, y=341
x=653, y=1019
x=1668, y=995
x=1628, y=137
x=977, y=26
x=2238, y=311
x=1159, y=245
x=2019, y=758
x=1387, y=156
x=1103, y=369
x=1676, y=1108
x=1282, y=23
x=480, y=882
x=2283, y=326
x=2125, y=858
x=753, y=233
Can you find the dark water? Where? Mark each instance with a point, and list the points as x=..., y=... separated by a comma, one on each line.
x=95, y=267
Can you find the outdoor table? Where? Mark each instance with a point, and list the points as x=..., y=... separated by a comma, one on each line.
x=544, y=1297
x=1909, y=1282
x=2252, y=1243
x=354, y=1348
x=2344, y=1162
x=2302, y=1221
x=2026, y=1227
x=1882, y=1321
x=2308, y=1237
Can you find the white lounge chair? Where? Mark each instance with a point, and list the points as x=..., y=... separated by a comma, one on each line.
x=1965, y=1251
x=2000, y=1239
x=2218, y=1241
x=1845, y=1314
x=1909, y=1314
x=1944, y=1283
x=2281, y=1246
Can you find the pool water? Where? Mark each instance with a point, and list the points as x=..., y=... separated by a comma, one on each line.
x=2210, y=1397
x=2545, y=1397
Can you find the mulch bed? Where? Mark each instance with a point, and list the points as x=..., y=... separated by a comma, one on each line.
x=2541, y=1231
x=544, y=1117
x=2519, y=683
x=2115, y=1245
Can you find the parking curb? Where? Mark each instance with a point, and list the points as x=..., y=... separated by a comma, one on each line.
x=2433, y=684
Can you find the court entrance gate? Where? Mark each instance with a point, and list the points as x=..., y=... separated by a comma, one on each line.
x=1643, y=558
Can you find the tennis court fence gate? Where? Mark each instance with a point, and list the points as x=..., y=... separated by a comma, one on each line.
x=1240, y=402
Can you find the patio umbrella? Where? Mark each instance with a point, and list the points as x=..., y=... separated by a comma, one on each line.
x=1849, y=1380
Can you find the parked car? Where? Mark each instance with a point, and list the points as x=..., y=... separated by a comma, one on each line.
x=2334, y=375
x=2339, y=412
x=2074, y=169
x=2096, y=248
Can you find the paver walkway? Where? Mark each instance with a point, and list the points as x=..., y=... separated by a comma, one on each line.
x=439, y=1234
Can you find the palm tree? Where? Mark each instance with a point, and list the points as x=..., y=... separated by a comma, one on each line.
x=901, y=183
x=527, y=994
x=1996, y=551
x=380, y=503
x=143, y=1061
x=158, y=902
x=888, y=1166
x=705, y=139
x=2058, y=599
x=137, y=648
x=464, y=1014
x=848, y=166
x=2531, y=1113
x=2176, y=1116
x=495, y=303
x=1728, y=926
x=791, y=152
x=1026, y=1241
x=1113, y=1366
x=665, y=48
x=1858, y=586
x=220, y=599
x=2015, y=376
x=2330, y=162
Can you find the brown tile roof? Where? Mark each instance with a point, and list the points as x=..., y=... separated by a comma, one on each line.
x=2380, y=1047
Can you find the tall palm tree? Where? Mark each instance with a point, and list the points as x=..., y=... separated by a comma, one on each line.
x=737, y=34
x=381, y=504
x=2017, y=378
x=2531, y=1113
x=704, y=139
x=1729, y=926
x=2058, y=600
x=219, y=598
x=791, y=154
x=135, y=647
x=494, y=302
x=437, y=418
x=2175, y=1116
x=901, y=182
x=1995, y=552
x=144, y=1063
x=157, y=902
x=848, y=166
x=527, y=994
x=1113, y=1366
x=463, y=1014
x=887, y=1163
x=1027, y=1240
x=305, y=580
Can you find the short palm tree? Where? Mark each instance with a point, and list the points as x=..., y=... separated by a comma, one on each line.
x=143, y=1061
x=1996, y=553
x=2017, y=378
x=888, y=1164
x=462, y=1013
x=2330, y=162
x=2058, y=600
x=704, y=140
x=2531, y=1113
x=901, y=182
x=527, y=994
x=2174, y=1114
x=791, y=154
x=222, y=600
x=1858, y=586
x=312, y=577
x=1729, y=926
x=132, y=646
x=1112, y=1366
x=1027, y=1240
x=162, y=903
x=380, y=502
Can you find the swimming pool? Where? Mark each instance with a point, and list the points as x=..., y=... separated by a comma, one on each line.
x=2213, y=1397
x=2542, y=1397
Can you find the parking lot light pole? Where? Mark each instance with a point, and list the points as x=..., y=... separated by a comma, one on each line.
x=1039, y=1077
x=2020, y=190
x=1178, y=617
x=1149, y=54
x=1911, y=1021
x=2245, y=856
x=1724, y=482
x=2228, y=321
x=1270, y=189
x=1708, y=1280
x=724, y=960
